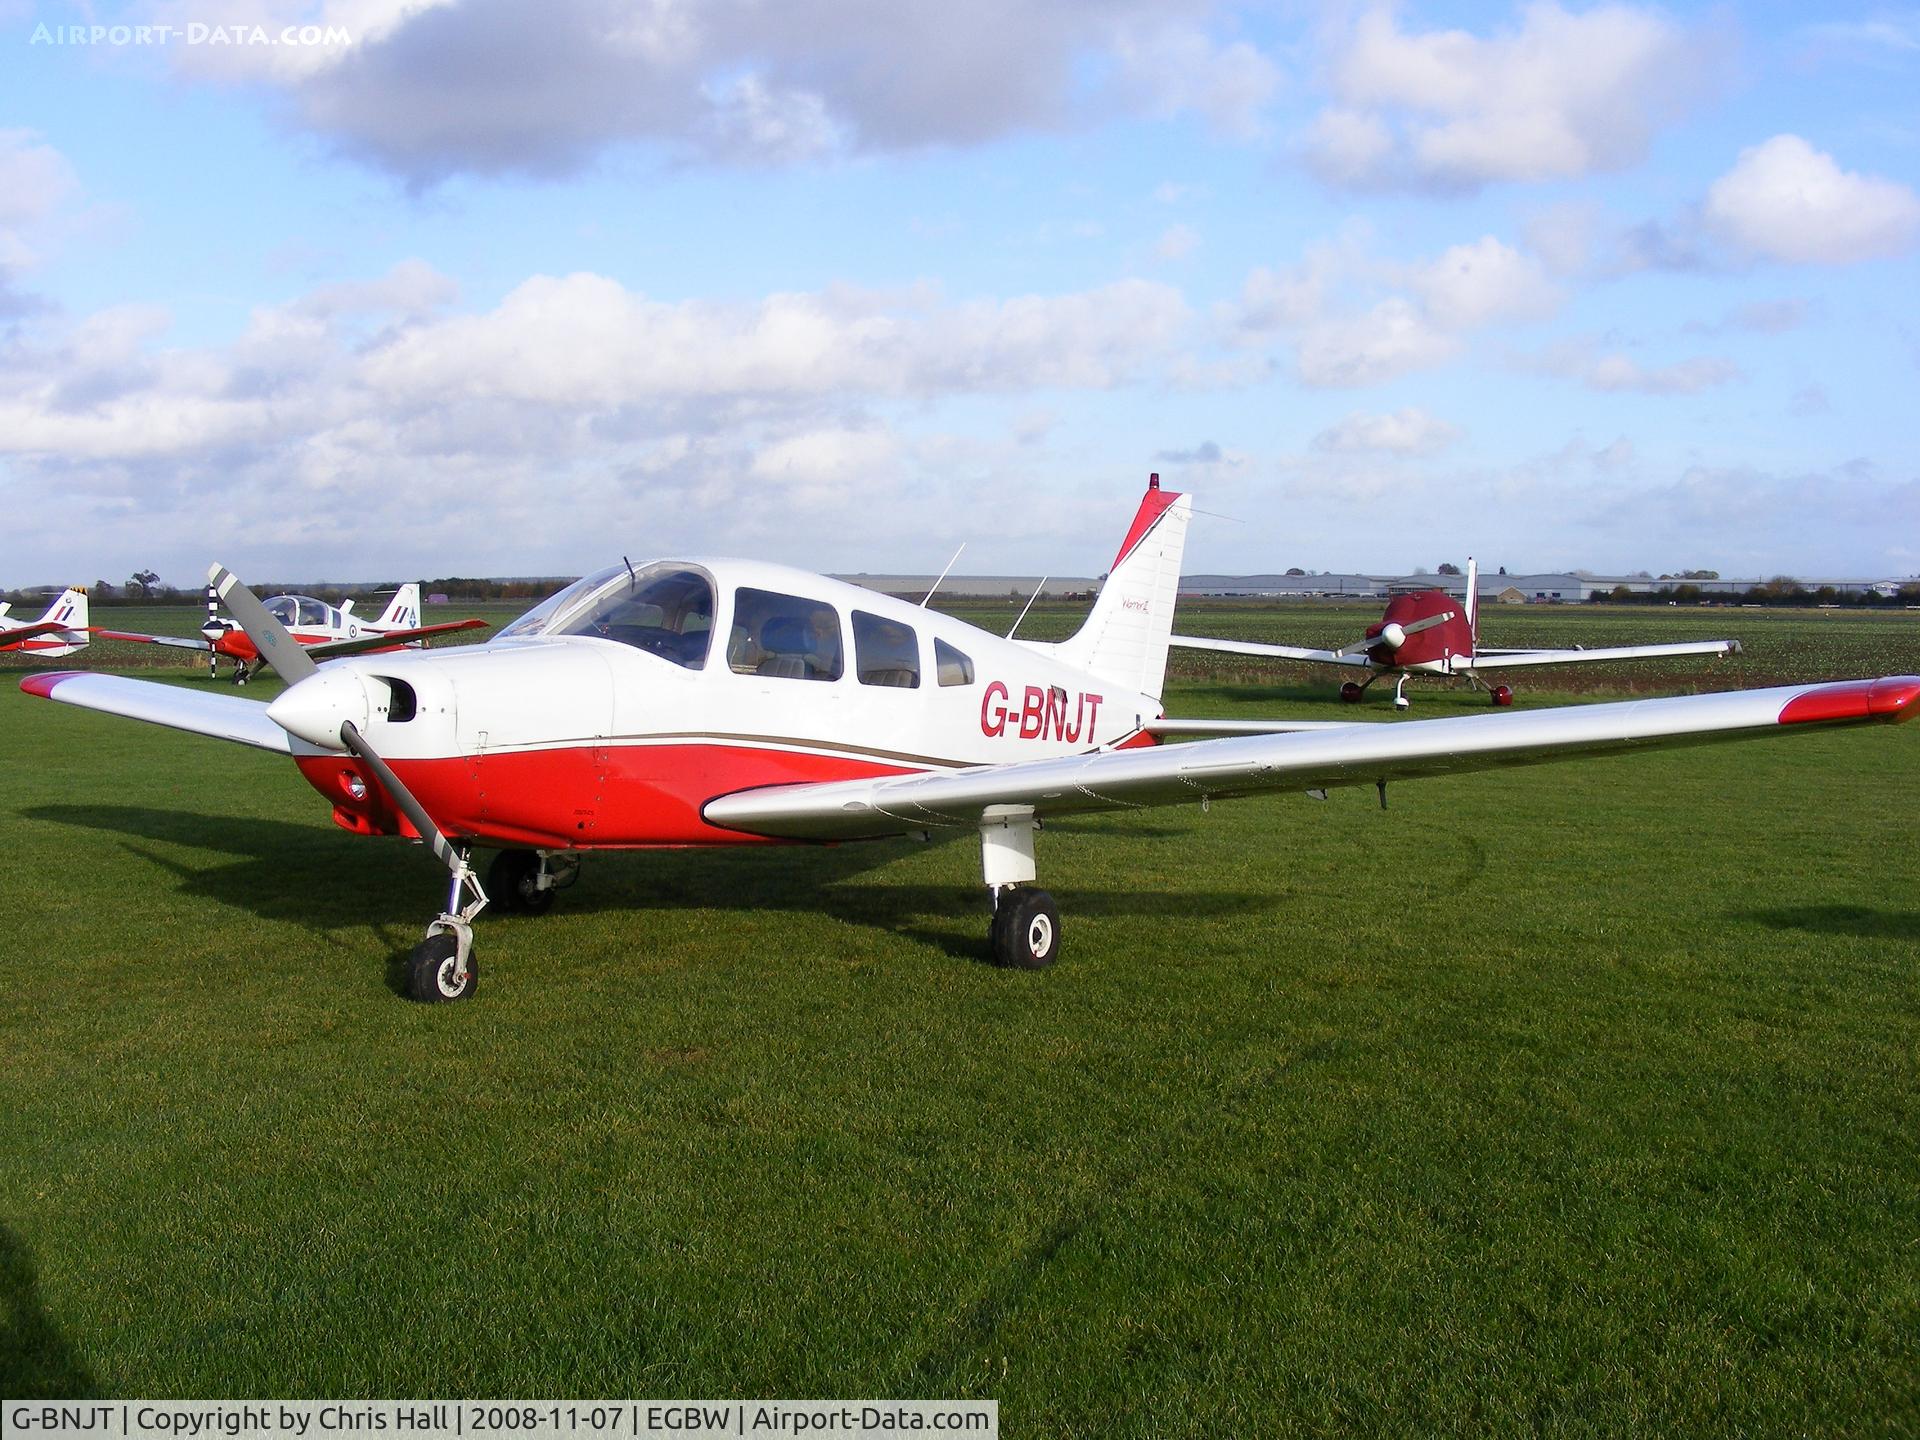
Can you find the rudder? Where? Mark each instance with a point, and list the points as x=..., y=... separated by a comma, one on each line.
x=1124, y=639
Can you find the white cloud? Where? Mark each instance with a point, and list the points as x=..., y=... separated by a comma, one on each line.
x=1404, y=432
x=1484, y=283
x=358, y=421
x=1176, y=68
x=1389, y=340
x=432, y=88
x=1359, y=321
x=1615, y=372
x=1177, y=242
x=1784, y=200
x=1563, y=95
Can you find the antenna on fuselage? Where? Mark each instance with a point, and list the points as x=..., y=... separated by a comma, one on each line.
x=943, y=574
x=1030, y=599
x=632, y=579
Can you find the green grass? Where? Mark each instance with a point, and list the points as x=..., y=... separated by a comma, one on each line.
x=1577, y=1100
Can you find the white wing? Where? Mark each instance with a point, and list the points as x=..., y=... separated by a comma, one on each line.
x=1348, y=755
x=1507, y=659
x=1274, y=652
x=223, y=717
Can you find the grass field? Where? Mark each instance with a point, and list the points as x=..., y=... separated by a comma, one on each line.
x=1576, y=1100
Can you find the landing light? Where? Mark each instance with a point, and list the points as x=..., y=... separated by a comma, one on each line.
x=351, y=782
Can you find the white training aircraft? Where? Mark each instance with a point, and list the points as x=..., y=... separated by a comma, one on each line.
x=61, y=631
x=325, y=630
x=726, y=702
x=1429, y=632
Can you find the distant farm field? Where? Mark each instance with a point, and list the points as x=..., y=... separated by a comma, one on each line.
x=1580, y=1099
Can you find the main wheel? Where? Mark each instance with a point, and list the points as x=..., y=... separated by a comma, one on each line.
x=433, y=971
x=1351, y=692
x=1026, y=929
x=1501, y=695
x=513, y=883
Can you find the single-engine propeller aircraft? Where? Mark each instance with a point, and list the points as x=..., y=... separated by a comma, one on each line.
x=326, y=630
x=1429, y=632
x=726, y=702
x=61, y=631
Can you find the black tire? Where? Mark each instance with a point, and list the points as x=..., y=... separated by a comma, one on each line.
x=1026, y=929
x=513, y=885
x=431, y=977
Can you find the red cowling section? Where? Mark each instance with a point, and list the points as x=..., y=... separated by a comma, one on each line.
x=1451, y=638
x=583, y=797
x=1153, y=505
x=1890, y=698
x=43, y=683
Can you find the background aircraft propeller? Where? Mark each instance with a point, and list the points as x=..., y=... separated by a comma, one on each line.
x=1393, y=635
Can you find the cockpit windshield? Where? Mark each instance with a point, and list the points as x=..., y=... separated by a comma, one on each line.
x=664, y=609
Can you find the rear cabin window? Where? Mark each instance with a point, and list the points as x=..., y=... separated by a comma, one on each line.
x=786, y=636
x=885, y=652
x=953, y=666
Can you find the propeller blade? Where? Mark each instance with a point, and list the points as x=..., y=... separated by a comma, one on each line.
x=269, y=636
x=415, y=812
x=1385, y=637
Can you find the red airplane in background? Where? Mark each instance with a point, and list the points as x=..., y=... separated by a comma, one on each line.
x=324, y=630
x=1430, y=632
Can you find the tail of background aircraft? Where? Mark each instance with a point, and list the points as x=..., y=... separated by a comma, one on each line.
x=61, y=631
x=1473, y=604
x=403, y=611
x=1125, y=638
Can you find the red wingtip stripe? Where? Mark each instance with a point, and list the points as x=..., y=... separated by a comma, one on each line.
x=43, y=683
x=1893, y=697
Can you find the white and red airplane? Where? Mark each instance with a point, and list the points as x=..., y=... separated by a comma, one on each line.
x=325, y=630
x=1429, y=632
x=61, y=631
x=726, y=702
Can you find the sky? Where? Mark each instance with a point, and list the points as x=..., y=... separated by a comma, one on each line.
x=369, y=289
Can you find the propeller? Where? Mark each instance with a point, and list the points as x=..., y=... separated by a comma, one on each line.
x=279, y=649
x=1393, y=634
x=320, y=708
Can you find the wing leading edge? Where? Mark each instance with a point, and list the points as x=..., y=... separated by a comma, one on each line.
x=1312, y=760
x=222, y=717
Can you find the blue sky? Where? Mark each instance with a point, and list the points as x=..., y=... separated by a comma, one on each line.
x=495, y=288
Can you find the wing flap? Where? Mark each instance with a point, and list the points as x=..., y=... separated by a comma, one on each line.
x=223, y=717
x=1313, y=760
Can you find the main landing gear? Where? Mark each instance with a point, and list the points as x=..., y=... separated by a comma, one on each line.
x=1025, y=933
x=524, y=882
x=1500, y=695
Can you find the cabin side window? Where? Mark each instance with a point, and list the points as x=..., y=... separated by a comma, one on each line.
x=885, y=652
x=953, y=666
x=788, y=637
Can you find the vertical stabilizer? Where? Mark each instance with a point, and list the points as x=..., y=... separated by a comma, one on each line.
x=403, y=611
x=1124, y=640
x=1473, y=604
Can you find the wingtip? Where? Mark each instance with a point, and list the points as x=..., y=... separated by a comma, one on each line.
x=1892, y=698
x=42, y=683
